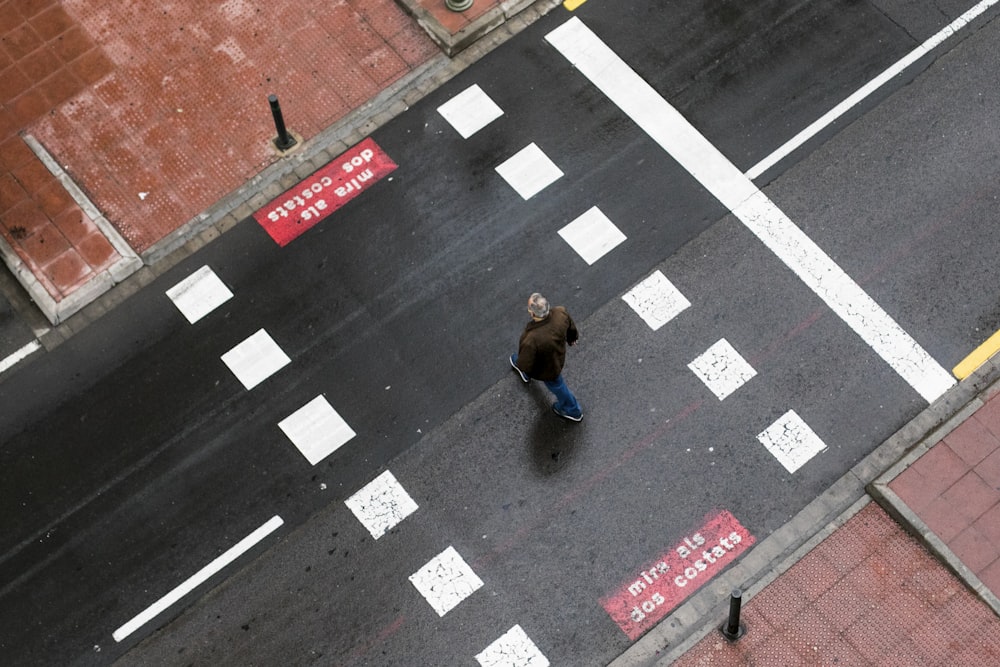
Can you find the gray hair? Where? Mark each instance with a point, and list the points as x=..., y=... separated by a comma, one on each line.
x=538, y=305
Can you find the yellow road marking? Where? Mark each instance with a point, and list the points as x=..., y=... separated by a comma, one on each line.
x=573, y=4
x=978, y=357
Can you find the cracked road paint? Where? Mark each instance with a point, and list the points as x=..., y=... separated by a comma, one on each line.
x=656, y=300
x=791, y=441
x=513, y=649
x=381, y=504
x=722, y=369
x=445, y=581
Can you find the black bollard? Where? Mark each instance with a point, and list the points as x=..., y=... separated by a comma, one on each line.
x=733, y=629
x=284, y=140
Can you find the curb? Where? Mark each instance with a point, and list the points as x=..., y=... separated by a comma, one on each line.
x=239, y=205
x=706, y=610
x=453, y=43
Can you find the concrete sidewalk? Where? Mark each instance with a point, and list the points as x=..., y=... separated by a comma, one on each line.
x=128, y=131
x=911, y=579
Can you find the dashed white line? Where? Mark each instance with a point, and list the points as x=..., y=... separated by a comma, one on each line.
x=665, y=125
x=867, y=89
x=198, y=578
x=11, y=360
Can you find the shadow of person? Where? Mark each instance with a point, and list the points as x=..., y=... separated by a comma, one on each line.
x=553, y=439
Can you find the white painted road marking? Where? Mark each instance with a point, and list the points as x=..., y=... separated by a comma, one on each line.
x=381, y=504
x=529, y=171
x=718, y=175
x=592, y=235
x=198, y=578
x=199, y=294
x=445, y=581
x=11, y=360
x=470, y=111
x=656, y=300
x=869, y=88
x=255, y=359
x=791, y=441
x=722, y=369
x=513, y=649
x=316, y=429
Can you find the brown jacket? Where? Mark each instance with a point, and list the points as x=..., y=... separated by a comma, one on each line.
x=541, y=351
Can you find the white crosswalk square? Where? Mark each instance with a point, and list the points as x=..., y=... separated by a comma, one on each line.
x=656, y=300
x=255, y=359
x=316, y=429
x=513, y=649
x=529, y=171
x=445, y=581
x=722, y=369
x=381, y=504
x=592, y=235
x=470, y=111
x=199, y=294
x=791, y=441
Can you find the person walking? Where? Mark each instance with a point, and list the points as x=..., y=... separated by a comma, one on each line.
x=541, y=353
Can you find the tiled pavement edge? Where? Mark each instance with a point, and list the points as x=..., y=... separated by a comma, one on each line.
x=87, y=303
x=706, y=610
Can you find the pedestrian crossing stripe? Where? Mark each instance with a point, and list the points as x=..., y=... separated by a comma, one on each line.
x=529, y=171
x=316, y=429
x=255, y=359
x=470, y=111
x=199, y=294
x=381, y=504
x=592, y=235
x=445, y=581
x=513, y=649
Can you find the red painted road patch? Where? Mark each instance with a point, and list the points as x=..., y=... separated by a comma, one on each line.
x=660, y=586
x=327, y=189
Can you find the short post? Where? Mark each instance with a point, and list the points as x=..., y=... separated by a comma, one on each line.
x=733, y=629
x=458, y=5
x=284, y=140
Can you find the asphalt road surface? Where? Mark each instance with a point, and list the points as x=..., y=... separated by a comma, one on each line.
x=142, y=464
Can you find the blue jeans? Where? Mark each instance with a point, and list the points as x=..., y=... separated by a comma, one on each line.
x=565, y=400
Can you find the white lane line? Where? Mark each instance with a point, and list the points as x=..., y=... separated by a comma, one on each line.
x=381, y=504
x=470, y=111
x=529, y=171
x=198, y=578
x=718, y=175
x=316, y=429
x=869, y=88
x=11, y=360
x=513, y=649
x=255, y=359
x=199, y=294
x=791, y=441
x=722, y=369
x=656, y=300
x=592, y=235
x=445, y=581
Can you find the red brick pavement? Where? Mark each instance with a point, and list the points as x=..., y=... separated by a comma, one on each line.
x=869, y=594
x=955, y=490
x=158, y=109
